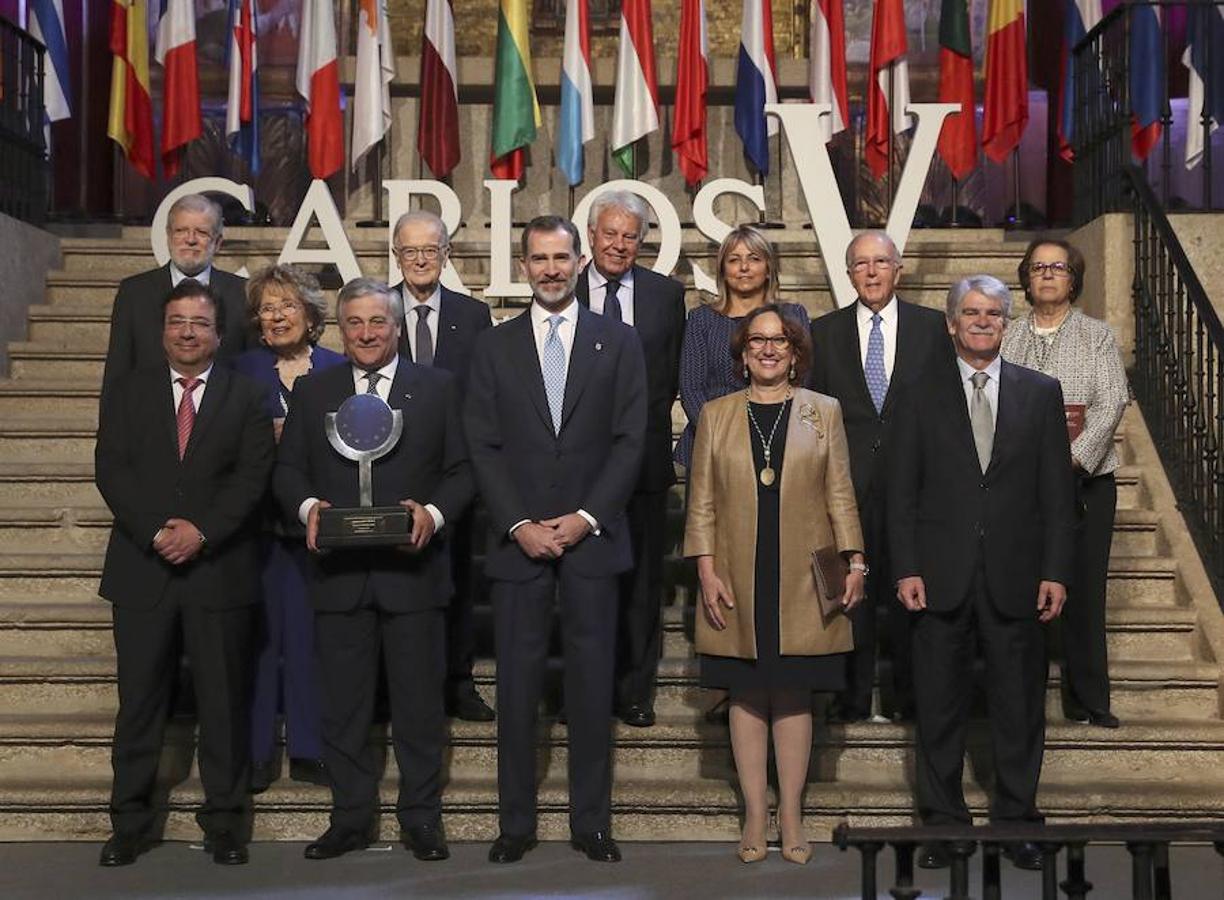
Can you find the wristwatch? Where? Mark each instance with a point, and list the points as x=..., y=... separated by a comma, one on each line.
x=860, y=567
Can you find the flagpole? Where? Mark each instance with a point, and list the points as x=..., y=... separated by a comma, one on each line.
x=1017, y=217
x=892, y=99
x=376, y=220
x=955, y=223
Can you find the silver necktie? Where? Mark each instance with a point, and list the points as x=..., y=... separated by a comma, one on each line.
x=980, y=420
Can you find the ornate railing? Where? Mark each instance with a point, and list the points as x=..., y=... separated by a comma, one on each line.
x=24, y=169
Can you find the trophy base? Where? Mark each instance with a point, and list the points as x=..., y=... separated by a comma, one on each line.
x=364, y=526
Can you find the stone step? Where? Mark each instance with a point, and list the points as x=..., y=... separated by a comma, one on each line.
x=35, y=363
x=52, y=528
x=68, y=399
x=45, y=437
x=55, y=483
x=32, y=576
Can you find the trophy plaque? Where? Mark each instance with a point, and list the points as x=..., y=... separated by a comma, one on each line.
x=364, y=429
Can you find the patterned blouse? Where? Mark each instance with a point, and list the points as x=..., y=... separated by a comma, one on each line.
x=1083, y=355
x=707, y=370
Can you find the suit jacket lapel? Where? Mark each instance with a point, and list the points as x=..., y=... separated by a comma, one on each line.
x=448, y=326
x=163, y=398
x=905, y=351
x=582, y=293
x=587, y=343
x=400, y=394
x=214, y=398
x=957, y=413
x=1010, y=401
x=527, y=361
x=847, y=340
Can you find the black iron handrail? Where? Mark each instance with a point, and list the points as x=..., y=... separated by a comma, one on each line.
x=24, y=167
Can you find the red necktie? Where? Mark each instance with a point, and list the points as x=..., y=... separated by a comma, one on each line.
x=186, y=413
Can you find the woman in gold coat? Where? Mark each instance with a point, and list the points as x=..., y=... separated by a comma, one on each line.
x=770, y=484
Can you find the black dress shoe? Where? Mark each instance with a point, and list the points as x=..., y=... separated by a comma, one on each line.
x=598, y=846
x=1103, y=719
x=427, y=842
x=122, y=849
x=336, y=842
x=933, y=856
x=509, y=848
x=1024, y=855
x=463, y=702
x=227, y=848
x=310, y=771
x=263, y=774
x=639, y=715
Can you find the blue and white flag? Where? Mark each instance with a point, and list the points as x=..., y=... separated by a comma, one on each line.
x=1204, y=44
x=47, y=25
x=576, y=123
x=756, y=83
x=242, y=104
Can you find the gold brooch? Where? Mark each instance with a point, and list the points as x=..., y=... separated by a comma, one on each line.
x=810, y=416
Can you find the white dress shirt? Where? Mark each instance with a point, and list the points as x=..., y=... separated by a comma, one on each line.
x=176, y=276
x=888, y=329
x=197, y=396
x=434, y=302
x=597, y=292
x=992, y=384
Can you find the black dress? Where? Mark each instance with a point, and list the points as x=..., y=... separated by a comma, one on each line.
x=771, y=671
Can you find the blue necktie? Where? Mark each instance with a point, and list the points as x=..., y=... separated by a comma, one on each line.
x=552, y=367
x=873, y=368
x=612, y=307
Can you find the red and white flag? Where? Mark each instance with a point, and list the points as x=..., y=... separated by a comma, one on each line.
x=372, y=79
x=827, y=61
x=176, y=53
x=888, y=83
x=318, y=81
x=692, y=81
x=438, y=126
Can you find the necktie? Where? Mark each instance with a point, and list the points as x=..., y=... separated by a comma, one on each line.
x=424, y=341
x=612, y=307
x=186, y=413
x=980, y=420
x=552, y=367
x=873, y=368
x=373, y=378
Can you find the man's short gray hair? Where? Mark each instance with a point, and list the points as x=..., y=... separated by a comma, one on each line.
x=423, y=215
x=197, y=203
x=986, y=285
x=871, y=233
x=364, y=287
x=624, y=201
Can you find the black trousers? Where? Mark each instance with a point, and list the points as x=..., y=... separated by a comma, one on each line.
x=148, y=644
x=1085, y=668
x=640, y=633
x=460, y=621
x=1014, y=653
x=522, y=623
x=412, y=646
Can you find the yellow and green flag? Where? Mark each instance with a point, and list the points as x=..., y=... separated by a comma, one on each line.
x=516, y=111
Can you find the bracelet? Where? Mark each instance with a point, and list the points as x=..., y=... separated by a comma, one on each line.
x=860, y=567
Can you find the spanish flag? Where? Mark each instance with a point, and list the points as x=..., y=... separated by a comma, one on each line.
x=516, y=111
x=130, y=123
x=1005, y=110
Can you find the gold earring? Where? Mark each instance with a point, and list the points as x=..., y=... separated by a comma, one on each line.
x=745, y=371
x=792, y=370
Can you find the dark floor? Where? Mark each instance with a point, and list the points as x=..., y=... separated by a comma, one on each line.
x=70, y=870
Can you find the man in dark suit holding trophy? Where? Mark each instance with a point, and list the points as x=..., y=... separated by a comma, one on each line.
x=391, y=591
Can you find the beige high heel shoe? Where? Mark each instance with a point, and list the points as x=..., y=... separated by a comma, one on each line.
x=753, y=851
x=795, y=851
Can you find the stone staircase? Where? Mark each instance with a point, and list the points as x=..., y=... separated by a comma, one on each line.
x=673, y=781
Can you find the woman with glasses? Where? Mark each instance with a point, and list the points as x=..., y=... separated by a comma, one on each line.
x=770, y=485
x=287, y=308
x=1058, y=339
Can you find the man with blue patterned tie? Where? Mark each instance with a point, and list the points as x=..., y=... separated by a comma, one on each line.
x=555, y=416
x=862, y=354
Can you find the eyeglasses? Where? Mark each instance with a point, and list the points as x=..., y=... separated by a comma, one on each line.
x=285, y=308
x=183, y=233
x=757, y=342
x=178, y=323
x=880, y=262
x=1056, y=269
x=409, y=254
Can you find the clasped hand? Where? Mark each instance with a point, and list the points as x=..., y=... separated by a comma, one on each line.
x=550, y=538
x=178, y=542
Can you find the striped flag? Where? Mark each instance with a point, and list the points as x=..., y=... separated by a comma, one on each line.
x=516, y=111
x=827, y=65
x=958, y=140
x=47, y=25
x=1147, y=79
x=1204, y=44
x=888, y=70
x=692, y=80
x=242, y=102
x=1005, y=110
x=1081, y=17
x=372, y=78
x=438, y=124
x=180, y=88
x=756, y=82
x=635, y=108
x=130, y=118
x=577, y=118
x=318, y=81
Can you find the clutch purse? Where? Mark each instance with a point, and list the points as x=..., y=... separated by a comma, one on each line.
x=830, y=570
x=1075, y=420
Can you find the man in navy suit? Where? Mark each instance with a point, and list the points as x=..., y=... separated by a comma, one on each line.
x=391, y=598
x=556, y=421
x=440, y=329
x=616, y=286
x=982, y=531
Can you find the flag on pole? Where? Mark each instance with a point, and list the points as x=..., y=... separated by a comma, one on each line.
x=635, y=108
x=516, y=111
x=888, y=72
x=692, y=81
x=756, y=82
x=958, y=140
x=372, y=78
x=1147, y=79
x=1005, y=110
x=438, y=124
x=130, y=118
x=576, y=123
x=242, y=102
x=180, y=87
x=318, y=81
x=1204, y=43
x=1081, y=17
x=47, y=25
x=827, y=63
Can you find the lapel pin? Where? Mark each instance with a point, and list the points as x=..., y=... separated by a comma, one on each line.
x=598, y=345
x=407, y=396
x=454, y=327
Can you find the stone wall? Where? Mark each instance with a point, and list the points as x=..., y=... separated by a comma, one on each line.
x=26, y=255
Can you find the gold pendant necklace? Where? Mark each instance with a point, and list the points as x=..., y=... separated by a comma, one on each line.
x=767, y=475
